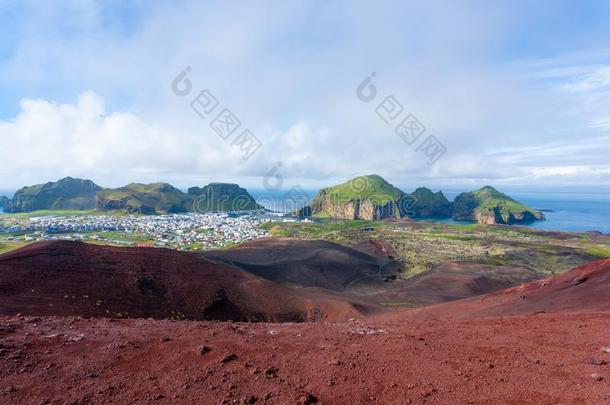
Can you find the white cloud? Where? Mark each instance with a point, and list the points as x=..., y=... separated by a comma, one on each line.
x=289, y=72
x=46, y=140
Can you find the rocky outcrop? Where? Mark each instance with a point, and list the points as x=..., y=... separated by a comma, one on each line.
x=222, y=197
x=145, y=199
x=425, y=203
x=154, y=198
x=464, y=206
x=4, y=202
x=355, y=209
x=364, y=197
x=489, y=206
x=129, y=204
x=495, y=216
x=371, y=197
x=66, y=194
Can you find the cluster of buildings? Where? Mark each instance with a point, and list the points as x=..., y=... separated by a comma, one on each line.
x=178, y=231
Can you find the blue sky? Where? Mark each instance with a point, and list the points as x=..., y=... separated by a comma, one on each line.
x=518, y=92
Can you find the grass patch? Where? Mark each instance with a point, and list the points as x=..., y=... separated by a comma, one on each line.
x=600, y=251
x=45, y=213
x=61, y=213
x=130, y=237
x=9, y=246
x=395, y=304
x=465, y=227
x=449, y=236
x=330, y=230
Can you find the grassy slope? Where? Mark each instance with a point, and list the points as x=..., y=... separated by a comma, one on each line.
x=160, y=196
x=65, y=194
x=423, y=245
x=31, y=190
x=224, y=197
x=330, y=231
x=429, y=203
x=7, y=246
x=490, y=198
x=372, y=187
x=63, y=213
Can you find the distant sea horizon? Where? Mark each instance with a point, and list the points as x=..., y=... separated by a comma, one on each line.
x=564, y=211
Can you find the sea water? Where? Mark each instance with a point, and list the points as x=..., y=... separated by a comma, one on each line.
x=570, y=211
x=564, y=211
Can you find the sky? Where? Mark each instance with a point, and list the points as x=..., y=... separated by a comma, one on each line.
x=516, y=94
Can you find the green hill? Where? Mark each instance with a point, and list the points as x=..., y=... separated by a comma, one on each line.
x=371, y=197
x=363, y=197
x=66, y=194
x=428, y=204
x=154, y=198
x=4, y=202
x=222, y=197
x=372, y=187
x=489, y=206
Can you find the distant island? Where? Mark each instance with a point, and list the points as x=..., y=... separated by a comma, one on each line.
x=372, y=197
x=155, y=198
x=4, y=202
x=365, y=197
x=489, y=206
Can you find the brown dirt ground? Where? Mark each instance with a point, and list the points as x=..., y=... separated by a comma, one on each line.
x=70, y=278
x=545, y=342
x=537, y=359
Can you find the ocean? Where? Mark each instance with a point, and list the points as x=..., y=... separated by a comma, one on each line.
x=564, y=211
x=570, y=211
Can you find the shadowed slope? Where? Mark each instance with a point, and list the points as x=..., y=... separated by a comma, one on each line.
x=311, y=263
x=585, y=288
x=367, y=270
x=453, y=281
x=71, y=278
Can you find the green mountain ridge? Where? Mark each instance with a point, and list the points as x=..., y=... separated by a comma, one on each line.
x=66, y=194
x=365, y=197
x=487, y=205
x=4, y=202
x=371, y=197
x=154, y=198
x=222, y=197
x=429, y=204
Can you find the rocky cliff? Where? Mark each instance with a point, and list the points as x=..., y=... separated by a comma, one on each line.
x=155, y=198
x=222, y=197
x=425, y=203
x=489, y=206
x=364, y=197
x=4, y=202
x=325, y=207
x=66, y=194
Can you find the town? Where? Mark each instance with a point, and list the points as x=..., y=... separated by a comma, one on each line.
x=190, y=231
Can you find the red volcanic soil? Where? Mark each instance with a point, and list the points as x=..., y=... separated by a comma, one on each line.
x=544, y=343
x=367, y=271
x=585, y=287
x=312, y=263
x=542, y=359
x=71, y=278
x=453, y=281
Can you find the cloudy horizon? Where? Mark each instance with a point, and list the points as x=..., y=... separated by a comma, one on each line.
x=518, y=93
